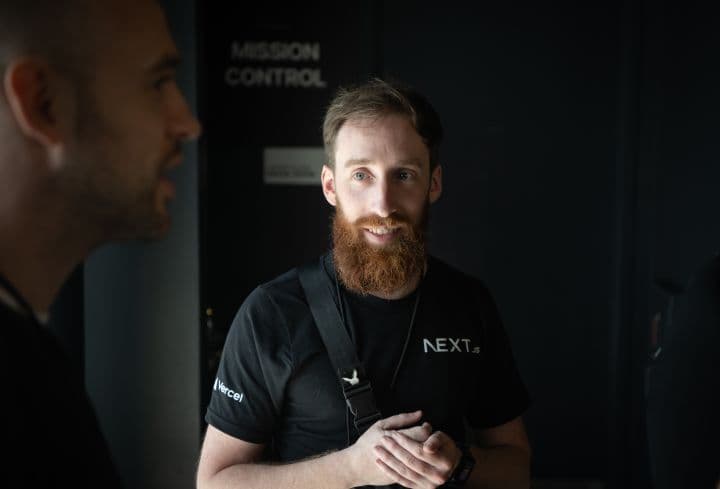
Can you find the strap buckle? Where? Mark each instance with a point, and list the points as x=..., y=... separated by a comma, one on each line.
x=359, y=397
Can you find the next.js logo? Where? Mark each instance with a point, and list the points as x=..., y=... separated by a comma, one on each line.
x=449, y=345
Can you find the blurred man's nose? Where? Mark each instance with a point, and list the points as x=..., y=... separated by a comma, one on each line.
x=183, y=123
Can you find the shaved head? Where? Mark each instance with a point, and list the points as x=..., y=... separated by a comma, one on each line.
x=60, y=32
x=68, y=34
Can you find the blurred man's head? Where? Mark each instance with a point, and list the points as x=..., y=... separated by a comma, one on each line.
x=383, y=172
x=91, y=112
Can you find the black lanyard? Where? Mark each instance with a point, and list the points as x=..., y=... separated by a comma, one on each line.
x=349, y=324
x=5, y=283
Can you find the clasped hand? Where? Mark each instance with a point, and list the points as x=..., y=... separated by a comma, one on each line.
x=393, y=451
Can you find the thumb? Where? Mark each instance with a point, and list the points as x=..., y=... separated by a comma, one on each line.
x=434, y=442
x=418, y=433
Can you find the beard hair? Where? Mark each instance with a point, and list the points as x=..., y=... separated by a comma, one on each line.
x=367, y=269
x=119, y=211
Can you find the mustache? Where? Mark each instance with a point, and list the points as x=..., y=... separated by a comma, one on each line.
x=365, y=269
x=393, y=220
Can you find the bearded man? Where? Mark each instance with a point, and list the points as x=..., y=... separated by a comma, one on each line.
x=429, y=340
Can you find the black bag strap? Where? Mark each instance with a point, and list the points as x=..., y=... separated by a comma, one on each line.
x=349, y=369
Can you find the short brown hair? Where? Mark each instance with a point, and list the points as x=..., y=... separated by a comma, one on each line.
x=378, y=98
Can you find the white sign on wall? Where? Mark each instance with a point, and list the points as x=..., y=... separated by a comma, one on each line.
x=276, y=64
x=295, y=165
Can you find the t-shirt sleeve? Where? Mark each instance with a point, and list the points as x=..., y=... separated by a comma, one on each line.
x=500, y=395
x=247, y=393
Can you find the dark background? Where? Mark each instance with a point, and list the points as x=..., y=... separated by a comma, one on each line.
x=579, y=168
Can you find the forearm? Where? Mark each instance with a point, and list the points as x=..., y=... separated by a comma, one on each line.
x=329, y=471
x=501, y=467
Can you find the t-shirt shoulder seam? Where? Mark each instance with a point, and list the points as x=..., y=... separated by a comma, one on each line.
x=264, y=289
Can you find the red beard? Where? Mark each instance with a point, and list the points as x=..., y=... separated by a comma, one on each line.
x=367, y=269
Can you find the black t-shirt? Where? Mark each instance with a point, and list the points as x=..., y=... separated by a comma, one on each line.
x=49, y=430
x=379, y=329
x=275, y=384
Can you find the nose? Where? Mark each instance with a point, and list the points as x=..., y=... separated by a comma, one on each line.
x=383, y=203
x=183, y=124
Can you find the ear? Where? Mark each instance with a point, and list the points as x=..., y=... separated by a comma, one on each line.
x=27, y=85
x=435, y=184
x=328, y=185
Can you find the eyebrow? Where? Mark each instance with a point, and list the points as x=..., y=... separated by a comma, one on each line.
x=364, y=161
x=356, y=161
x=411, y=162
x=169, y=61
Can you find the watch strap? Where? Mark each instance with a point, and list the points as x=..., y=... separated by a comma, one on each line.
x=463, y=470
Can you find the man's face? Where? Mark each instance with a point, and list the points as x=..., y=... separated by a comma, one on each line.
x=131, y=121
x=381, y=186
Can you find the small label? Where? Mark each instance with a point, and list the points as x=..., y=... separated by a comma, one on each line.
x=293, y=165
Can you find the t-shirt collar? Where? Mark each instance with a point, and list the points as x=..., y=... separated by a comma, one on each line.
x=7, y=298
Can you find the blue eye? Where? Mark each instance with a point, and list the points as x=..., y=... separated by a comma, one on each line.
x=359, y=176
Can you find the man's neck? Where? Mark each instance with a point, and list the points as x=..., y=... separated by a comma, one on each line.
x=37, y=253
x=36, y=278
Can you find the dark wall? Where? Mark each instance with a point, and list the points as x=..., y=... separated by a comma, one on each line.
x=528, y=92
x=678, y=166
x=687, y=104
x=577, y=166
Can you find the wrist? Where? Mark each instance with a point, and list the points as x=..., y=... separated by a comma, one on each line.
x=458, y=458
x=463, y=468
x=345, y=465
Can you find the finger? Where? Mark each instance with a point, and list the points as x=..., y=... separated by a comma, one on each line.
x=418, y=433
x=422, y=468
x=414, y=447
x=435, y=442
x=440, y=461
x=399, y=420
x=407, y=474
x=394, y=476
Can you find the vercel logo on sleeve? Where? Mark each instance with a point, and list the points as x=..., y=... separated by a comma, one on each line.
x=225, y=390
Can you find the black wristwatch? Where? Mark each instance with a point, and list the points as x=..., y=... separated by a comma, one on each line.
x=462, y=472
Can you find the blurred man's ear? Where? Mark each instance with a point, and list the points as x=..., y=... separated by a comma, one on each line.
x=31, y=97
x=328, y=185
